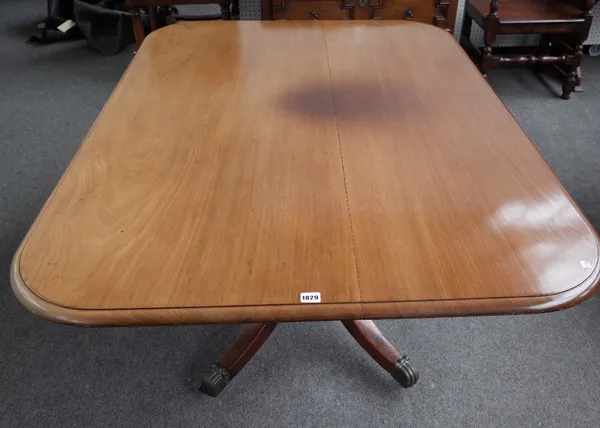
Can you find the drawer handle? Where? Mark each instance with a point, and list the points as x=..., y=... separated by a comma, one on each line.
x=363, y=3
x=313, y=14
x=408, y=14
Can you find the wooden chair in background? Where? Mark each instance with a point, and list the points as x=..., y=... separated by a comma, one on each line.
x=163, y=12
x=564, y=25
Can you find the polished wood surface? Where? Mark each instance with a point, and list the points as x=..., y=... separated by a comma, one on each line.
x=448, y=197
x=303, y=156
x=194, y=188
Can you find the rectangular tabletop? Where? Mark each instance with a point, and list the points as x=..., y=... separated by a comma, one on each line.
x=240, y=164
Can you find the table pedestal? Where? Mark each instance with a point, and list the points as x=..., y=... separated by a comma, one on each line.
x=253, y=336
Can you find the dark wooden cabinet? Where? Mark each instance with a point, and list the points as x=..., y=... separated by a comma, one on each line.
x=436, y=12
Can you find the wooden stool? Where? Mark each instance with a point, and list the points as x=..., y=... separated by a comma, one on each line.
x=564, y=26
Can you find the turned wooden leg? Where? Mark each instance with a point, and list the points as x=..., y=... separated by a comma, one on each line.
x=573, y=77
x=377, y=346
x=579, y=56
x=485, y=60
x=138, y=28
x=168, y=13
x=578, y=87
x=467, y=25
x=237, y=356
x=235, y=9
x=153, y=15
x=225, y=11
x=489, y=38
x=569, y=84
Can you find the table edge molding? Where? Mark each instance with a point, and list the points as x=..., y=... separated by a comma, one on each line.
x=298, y=312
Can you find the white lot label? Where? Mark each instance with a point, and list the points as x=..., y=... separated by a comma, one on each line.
x=312, y=297
x=66, y=26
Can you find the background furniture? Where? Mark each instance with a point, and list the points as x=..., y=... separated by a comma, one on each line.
x=436, y=12
x=163, y=12
x=564, y=26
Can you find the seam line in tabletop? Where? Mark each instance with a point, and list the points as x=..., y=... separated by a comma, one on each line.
x=339, y=141
x=539, y=303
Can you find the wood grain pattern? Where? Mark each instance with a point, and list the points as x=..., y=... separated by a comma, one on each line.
x=212, y=188
x=193, y=189
x=285, y=313
x=449, y=198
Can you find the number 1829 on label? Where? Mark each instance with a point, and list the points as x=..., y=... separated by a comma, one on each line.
x=312, y=297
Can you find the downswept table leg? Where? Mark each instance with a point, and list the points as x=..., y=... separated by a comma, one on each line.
x=377, y=346
x=237, y=356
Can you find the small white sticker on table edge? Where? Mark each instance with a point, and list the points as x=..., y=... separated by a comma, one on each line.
x=310, y=297
x=585, y=264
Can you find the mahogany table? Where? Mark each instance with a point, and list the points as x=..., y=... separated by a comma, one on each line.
x=238, y=165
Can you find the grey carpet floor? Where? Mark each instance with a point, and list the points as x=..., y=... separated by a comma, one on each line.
x=523, y=371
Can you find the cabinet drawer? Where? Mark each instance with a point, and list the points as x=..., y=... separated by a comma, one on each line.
x=426, y=11
x=310, y=9
x=412, y=10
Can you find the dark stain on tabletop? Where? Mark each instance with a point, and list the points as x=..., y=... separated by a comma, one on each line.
x=353, y=100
